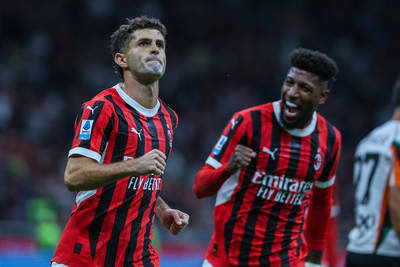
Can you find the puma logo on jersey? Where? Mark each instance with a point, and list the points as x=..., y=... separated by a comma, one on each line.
x=139, y=134
x=271, y=153
x=233, y=122
x=91, y=109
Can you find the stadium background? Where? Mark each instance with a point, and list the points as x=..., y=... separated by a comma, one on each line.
x=222, y=56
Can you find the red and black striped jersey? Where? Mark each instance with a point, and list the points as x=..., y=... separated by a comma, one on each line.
x=260, y=211
x=113, y=225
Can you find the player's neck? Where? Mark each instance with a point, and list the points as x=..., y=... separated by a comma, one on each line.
x=145, y=95
x=396, y=114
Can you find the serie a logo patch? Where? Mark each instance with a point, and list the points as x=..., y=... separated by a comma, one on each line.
x=86, y=129
x=219, y=144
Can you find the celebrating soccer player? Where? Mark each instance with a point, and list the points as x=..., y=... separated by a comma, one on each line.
x=375, y=240
x=269, y=164
x=123, y=137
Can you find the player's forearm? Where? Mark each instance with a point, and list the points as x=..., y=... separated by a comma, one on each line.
x=161, y=207
x=394, y=208
x=84, y=173
x=209, y=180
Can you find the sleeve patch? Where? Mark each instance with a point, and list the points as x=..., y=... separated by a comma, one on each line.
x=86, y=129
x=220, y=144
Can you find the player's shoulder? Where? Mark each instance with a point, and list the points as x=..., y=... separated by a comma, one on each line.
x=168, y=111
x=103, y=99
x=331, y=129
x=167, y=107
x=383, y=135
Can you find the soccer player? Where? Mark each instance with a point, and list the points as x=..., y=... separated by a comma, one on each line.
x=123, y=137
x=375, y=239
x=270, y=162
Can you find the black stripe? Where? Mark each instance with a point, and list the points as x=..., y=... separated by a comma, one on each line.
x=153, y=133
x=313, y=152
x=80, y=114
x=154, y=145
x=172, y=114
x=106, y=135
x=101, y=210
x=293, y=167
x=135, y=227
x=166, y=129
x=309, y=177
x=274, y=215
x=92, y=116
x=122, y=211
x=249, y=171
x=229, y=137
x=248, y=235
x=146, y=253
x=331, y=140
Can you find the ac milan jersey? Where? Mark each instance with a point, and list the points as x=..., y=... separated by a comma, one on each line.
x=376, y=162
x=260, y=210
x=113, y=225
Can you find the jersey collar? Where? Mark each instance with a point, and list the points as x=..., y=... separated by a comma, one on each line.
x=296, y=132
x=130, y=101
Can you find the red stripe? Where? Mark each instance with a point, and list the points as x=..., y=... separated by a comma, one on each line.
x=262, y=220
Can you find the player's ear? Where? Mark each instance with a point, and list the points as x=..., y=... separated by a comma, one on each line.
x=324, y=96
x=120, y=60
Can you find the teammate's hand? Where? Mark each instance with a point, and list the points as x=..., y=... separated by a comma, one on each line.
x=174, y=220
x=151, y=162
x=240, y=158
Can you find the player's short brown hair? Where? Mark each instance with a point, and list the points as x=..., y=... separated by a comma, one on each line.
x=315, y=62
x=121, y=37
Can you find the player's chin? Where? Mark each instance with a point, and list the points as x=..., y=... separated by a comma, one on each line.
x=291, y=122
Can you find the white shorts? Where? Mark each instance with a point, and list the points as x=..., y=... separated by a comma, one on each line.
x=206, y=263
x=56, y=264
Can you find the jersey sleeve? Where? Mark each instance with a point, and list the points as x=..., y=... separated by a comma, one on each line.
x=395, y=175
x=226, y=144
x=321, y=202
x=93, y=126
x=328, y=175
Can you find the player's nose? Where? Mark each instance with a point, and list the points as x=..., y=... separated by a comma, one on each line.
x=292, y=91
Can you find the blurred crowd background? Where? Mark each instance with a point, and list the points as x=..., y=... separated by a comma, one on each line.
x=222, y=56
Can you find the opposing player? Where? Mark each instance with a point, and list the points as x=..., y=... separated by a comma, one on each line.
x=123, y=137
x=269, y=162
x=375, y=240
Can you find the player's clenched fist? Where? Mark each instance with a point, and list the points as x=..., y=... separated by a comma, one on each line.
x=240, y=158
x=151, y=162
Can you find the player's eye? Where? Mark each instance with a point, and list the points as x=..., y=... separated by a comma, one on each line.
x=289, y=82
x=160, y=44
x=306, y=88
x=143, y=42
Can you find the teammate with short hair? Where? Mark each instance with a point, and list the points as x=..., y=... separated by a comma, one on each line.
x=375, y=239
x=123, y=137
x=270, y=162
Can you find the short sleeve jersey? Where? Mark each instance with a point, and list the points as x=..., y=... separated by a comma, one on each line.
x=376, y=168
x=260, y=210
x=113, y=225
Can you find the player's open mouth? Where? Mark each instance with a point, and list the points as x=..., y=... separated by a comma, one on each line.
x=291, y=110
